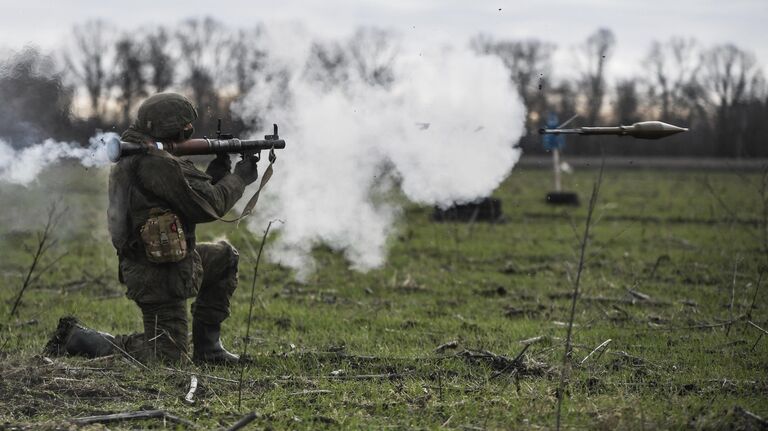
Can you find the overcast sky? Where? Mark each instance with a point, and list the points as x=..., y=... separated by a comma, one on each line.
x=566, y=23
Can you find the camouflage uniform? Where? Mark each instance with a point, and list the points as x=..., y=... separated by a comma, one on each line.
x=157, y=179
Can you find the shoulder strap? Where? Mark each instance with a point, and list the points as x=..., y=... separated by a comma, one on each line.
x=255, y=198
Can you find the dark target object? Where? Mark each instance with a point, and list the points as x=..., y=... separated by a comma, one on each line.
x=563, y=198
x=485, y=210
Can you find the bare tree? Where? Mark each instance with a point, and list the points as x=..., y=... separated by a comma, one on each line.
x=757, y=127
x=731, y=79
x=372, y=52
x=128, y=75
x=597, y=51
x=627, y=101
x=562, y=99
x=159, y=60
x=730, y=74
x=203, y=53
x=529, y=63
x=87, y=60
x=35, y=103
x=203, y=47
x=327, y=65
x=673, y=68
x=45, y=240
x=246, y=59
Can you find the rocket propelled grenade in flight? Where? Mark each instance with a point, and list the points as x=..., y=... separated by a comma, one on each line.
x=641, y=130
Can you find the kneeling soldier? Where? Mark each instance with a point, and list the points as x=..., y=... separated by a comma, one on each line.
x=155, y=202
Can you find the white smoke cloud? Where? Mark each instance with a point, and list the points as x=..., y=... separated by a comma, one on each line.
x=22, y=166
x=445, y=130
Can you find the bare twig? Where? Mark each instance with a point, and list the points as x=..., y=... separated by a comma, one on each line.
x=754, y=296
x=390, y=376
x=245, y=420
x=119, y=417
x=190, y=397
x=534, y=340
x=312, y=392
x=449, y=345
x=207, y=376
x=522, y=352
x=568, y=339
x=764, y=197
x=639, y=295
x=759, y=328
x=701, y=326
x=659, y=260
x=634, y=300
x=733, y=296
x=44, y=242
x=719, y=199
x=603, y=344
x=45, y=269
x=126, y=354
x=250, y=316
x=746, y=413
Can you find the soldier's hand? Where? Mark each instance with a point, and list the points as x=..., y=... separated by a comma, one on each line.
x=220, y=166
x=247, y=169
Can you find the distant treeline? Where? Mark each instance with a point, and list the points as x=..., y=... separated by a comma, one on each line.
x=100, y=77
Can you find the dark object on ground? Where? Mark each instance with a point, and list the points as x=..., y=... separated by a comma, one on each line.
x=563, y=198
x=117, y=417
x=244, y=421
x=72, y=338
x=485, y=209
x=206, y=338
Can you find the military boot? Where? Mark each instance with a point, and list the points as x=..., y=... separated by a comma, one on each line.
x=72, y=338
x=206, y=338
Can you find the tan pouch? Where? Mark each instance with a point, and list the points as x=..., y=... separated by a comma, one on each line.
x=163, y=237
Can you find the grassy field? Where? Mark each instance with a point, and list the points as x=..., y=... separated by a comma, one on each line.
x=671, y=278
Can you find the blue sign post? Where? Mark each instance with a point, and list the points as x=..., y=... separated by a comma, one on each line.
x=556, y=143
x=553, y=142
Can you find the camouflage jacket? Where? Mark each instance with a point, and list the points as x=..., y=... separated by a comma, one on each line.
x=158, y=179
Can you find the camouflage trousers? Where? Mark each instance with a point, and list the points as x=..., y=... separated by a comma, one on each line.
x=165, y=335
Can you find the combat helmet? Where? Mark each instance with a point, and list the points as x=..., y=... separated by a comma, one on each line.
x=164, y=115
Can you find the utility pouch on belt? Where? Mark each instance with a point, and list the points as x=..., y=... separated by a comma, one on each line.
x=163, y=237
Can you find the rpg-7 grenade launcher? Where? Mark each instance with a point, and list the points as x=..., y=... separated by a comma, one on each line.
x=224, y=143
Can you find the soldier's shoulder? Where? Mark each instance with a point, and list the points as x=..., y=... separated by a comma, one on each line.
x=155, y=159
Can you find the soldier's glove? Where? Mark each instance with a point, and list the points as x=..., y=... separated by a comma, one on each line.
x=247, y=169
x=219, y=167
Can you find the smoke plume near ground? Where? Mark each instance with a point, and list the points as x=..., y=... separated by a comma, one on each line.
x=67, y=174
x=22, y=166
x=443, y=130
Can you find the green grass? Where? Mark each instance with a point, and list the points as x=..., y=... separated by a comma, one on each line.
x=669, y=365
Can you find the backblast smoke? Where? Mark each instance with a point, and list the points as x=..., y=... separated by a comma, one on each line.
x=442, y=130
x=22, y=166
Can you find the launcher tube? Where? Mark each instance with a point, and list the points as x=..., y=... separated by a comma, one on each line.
x=117, y=149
